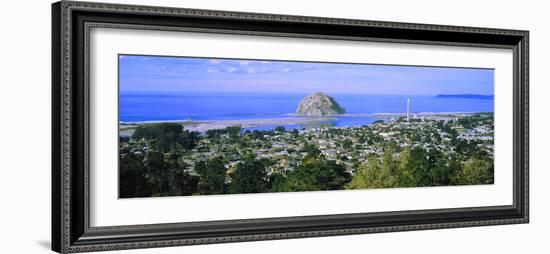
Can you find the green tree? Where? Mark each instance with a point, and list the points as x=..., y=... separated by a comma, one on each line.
x=390, y=168
x=346, y=144
x=405, y=176
x=233, y=130
x=184, y=183
x=324, y=174
x=133, y=177
x=312, y=151
x=297, y=180
x=165, y=135
x=315, y=173
x=420, y=166
x=158, y=172
x=250, y=177
x=475, y=171
x=367, y=175
x=376, y=173
x=212, y=176
x=188, y=139
x=444, y=170
x=180, y=182
x=277, y=182
x=280, y=129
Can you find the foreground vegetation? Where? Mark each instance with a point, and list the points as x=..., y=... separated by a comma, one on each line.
x=165, y=160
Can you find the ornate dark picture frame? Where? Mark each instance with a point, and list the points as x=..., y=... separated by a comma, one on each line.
x=71, y=22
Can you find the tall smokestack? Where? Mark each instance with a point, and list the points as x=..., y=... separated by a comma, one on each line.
x=408, y=109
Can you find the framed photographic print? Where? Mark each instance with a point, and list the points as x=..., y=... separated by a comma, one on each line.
x=181, y=126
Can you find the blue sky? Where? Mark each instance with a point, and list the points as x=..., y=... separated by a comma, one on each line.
x=182, y=74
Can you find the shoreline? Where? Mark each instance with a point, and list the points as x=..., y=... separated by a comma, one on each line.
x=203, y=126
x=293, y=116
x=127, y=128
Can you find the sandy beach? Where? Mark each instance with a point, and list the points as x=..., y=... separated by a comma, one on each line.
x=248, y=123
x=127, y=129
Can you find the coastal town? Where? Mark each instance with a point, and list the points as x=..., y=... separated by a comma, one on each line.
x=350, y=146
x=229, y=157
x=411, y=150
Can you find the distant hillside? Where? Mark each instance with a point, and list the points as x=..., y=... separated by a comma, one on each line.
x=319, y=104
x=466, y=96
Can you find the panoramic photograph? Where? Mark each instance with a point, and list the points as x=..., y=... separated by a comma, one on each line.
x=213, y=126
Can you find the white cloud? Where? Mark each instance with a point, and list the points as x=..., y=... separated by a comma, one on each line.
x=215, y=61
x=244, y=63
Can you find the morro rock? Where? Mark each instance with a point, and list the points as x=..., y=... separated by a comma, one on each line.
x=319, y=104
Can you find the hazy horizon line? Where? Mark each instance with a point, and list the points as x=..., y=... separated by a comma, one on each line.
x=289, y=93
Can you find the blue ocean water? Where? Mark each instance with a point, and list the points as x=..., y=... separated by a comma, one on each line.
x=138, y=107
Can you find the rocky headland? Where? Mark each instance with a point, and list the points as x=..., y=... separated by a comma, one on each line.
x=319, y=104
